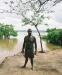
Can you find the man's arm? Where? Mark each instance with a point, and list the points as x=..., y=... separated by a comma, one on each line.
x=23, y=46
x=35, y=46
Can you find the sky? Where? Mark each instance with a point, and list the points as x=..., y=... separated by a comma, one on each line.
x=54, y=21
x=56, y=17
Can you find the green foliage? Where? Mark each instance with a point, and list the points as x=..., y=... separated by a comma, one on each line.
x=1, y=31
x=1, y=34
x=6, y=31
x=49, y=30
x=25, y=21
x=35, y=20
x=55, y=36
x=13, y=33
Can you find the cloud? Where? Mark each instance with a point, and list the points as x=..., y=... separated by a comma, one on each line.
x=57, y=16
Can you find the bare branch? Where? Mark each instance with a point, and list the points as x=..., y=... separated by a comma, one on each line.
x=19, y=6
x=42, y=3
x=57, y=1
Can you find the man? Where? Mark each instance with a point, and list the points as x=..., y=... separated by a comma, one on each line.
x=28, y=48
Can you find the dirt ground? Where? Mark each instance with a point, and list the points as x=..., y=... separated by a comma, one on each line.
x=49, y=63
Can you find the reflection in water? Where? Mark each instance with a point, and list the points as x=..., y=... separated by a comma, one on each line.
x=9, y=47
x=53, y=47
x=7, y=44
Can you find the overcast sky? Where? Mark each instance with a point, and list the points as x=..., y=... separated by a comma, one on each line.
x=55, y=19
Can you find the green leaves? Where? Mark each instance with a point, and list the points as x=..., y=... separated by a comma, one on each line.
x=26, y=21
x=35, y=20
x=6, y=31
x=40, y=19
x=55, y=36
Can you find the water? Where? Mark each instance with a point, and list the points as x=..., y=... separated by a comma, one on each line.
x=10, y=47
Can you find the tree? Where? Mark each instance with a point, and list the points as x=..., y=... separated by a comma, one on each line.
x=9, y=31
x=6, y=31
x=55, y=36
x=37, y=7
x=19, y=6
x=35, y=21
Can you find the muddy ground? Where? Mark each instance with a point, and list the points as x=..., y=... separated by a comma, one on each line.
x=49, y=63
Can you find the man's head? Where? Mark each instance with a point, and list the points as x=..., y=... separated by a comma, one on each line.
x=29, y=32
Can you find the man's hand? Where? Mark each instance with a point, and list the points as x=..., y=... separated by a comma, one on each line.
x=35, y=53
x=22, y=51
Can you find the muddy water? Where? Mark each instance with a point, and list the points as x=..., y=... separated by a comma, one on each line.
x=9, y=47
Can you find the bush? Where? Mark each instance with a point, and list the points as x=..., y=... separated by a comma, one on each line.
x=13, y=33
x=7, y=31
x=49, y=30
x=55, y=36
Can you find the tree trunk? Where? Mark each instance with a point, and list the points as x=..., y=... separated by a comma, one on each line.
x=40, y=39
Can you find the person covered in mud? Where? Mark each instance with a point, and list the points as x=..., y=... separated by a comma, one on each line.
x=28, y=48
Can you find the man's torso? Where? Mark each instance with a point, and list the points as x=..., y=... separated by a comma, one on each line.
x=29, y=43
x=29, y=46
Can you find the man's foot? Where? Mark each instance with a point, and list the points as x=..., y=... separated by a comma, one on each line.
x=23, y=67
x=41, y=51
x=31, y=68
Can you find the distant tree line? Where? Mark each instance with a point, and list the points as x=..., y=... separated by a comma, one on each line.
x=54, y=36
x=6, y=31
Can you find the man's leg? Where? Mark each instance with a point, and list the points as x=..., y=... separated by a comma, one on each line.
x=31, y=63
x=26, y=60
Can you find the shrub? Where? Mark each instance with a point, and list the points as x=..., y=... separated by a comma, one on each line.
x=55, y=36
x=7, y=31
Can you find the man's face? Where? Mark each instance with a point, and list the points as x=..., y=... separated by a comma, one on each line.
x=29, y=33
